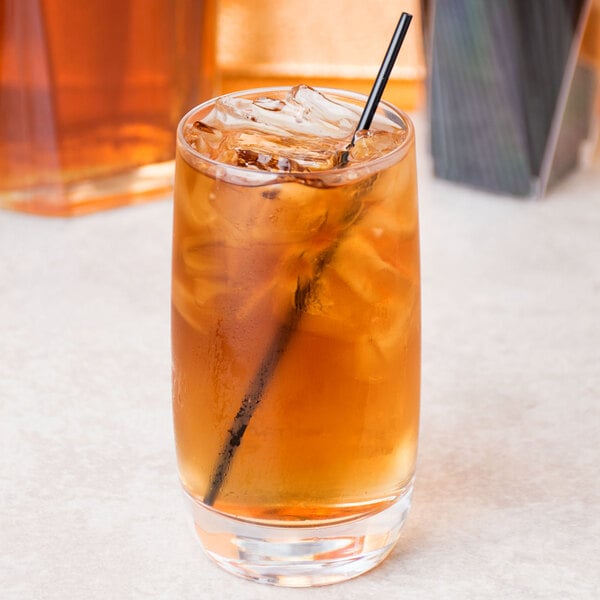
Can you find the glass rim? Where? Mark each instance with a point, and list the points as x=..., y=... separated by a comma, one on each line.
x=258, y=177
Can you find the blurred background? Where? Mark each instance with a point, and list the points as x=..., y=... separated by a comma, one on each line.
x=284, y=43
x=92, y=92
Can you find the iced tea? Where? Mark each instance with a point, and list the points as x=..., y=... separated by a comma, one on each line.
x=296, y=309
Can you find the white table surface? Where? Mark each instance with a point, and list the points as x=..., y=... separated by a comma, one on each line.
x=507, y=500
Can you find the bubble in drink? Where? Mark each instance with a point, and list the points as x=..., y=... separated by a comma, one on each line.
x=267, y=225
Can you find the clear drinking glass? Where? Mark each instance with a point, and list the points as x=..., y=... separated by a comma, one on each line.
x=296, y=355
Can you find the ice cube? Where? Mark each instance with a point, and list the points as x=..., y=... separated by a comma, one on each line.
x=375, y=143
x=374, y=355
x=339, y=120
x=265, y=161
x=358, y=293
x=304, y=111
x=270, y=219
x=302, y=131
x=202, y=137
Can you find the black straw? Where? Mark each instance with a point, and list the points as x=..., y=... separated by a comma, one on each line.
x=380, y=82
x=384, y=73
x=304, y=291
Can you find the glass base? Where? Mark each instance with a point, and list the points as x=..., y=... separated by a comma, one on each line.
x=299, y=556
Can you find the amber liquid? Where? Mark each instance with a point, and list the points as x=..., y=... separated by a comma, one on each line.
x=335, y=433
x=91, y=91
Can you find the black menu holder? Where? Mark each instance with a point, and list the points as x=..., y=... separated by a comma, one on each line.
x=510, y=99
